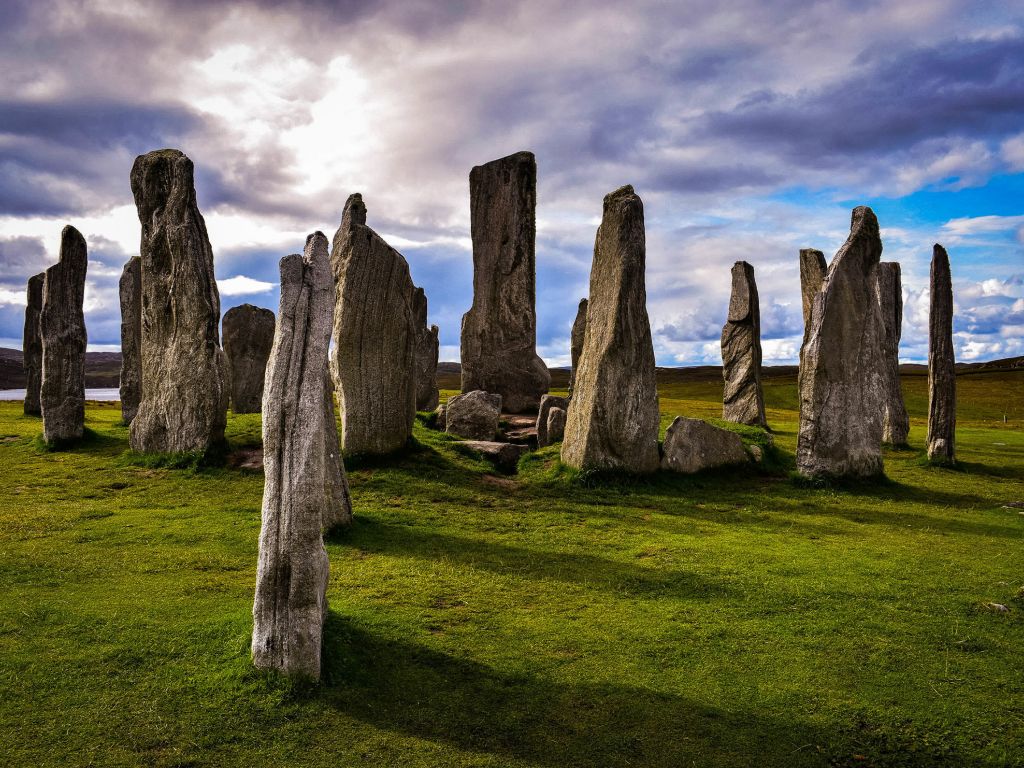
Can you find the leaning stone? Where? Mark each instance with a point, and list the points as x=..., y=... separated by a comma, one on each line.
x=841, y=383
x=612, y=422
x=941, y=362
x=556, y=425
x=130, y=290
x=62, y=329
x=889, y=292
x=505, y=456
x=579, y=332
x=427, y=346
x=474, y=415
x=375, y=337
x=499, y=333
x=547, y=402
x=32, y=345
x=692, y=445
x=292, y=572
x=184, y=387
x=248, y=337
x=743, y=401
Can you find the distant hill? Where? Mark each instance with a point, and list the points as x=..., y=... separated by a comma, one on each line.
x=102, y=369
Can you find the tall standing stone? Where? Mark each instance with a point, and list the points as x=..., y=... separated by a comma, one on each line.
x=579, y=332
x=184, y=388
x=248, y=337
x=612, y=422
x=427, y=346
x=941, y=362
x=743, y=400
x=841, y=381
x=32, y=345
x=499, y=333
x=375, y=337
x=62, y=329
x=889, y=292
x=293, y=569
x=130, y=289
x=813, y=268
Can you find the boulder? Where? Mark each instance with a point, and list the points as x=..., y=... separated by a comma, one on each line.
x=474, y=415
x=692, y=445
x=32, y=345
x=612, y=421
x=889, y=293
x=743, y=400
x=427, y=346
x=248, y=337
x=62, y=330
x=556, y=425
x=941, y=362
x=130, y=290
x=579, y=332
x=547, y=402
x=505, y=456
x=184, y=378
x=499, y=333
x=841, y=382
x=375, y=337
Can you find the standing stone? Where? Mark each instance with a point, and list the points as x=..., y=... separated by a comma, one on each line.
x=579, y=331
x=841, y=382
x=743, y=401
x=547, y=402
x=889, y=292
x=339, y=509
x=612, y=422
x=299, y=486
x=427, y=345
x=248, y=337
x=32, y=345
x=130, y=288
x=499, y=333
x=375, y=337
x=941, y=363
x=812, y=274
x=184, y=388
x=555, y=425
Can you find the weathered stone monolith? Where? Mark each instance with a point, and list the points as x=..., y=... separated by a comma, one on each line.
x=547, y=402
x=579, y=332
x=300, y=485
x=248, y=337
x=612, y=421
x=62, y=330
x=184, y=374
x=339, y=509
x=743, y=400
x=941, y=363
x=555, y=425
x=841, y=384
x=427, y=346
x=130, y=289
x=812, y=274
x=473, y=415
x=889, y=292
x=32, y=345
x=375, y=337
x=499, y=333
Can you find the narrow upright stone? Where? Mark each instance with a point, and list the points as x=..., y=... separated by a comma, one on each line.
x=812, y=274
x=941, y=363
x=300, y=485
x=427, y=345
x=248, y=337
x=62, y=329
x=612, y=422
x=375, y=337
x=743, y=401
x=889, y=292
x=130, y=288
x=499, y=333
x=32, y=345
x=841, y=382
x=579, y=332
x=547, y=402
x=184, y=388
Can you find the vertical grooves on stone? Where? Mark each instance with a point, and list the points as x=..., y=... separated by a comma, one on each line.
x=941, y=362
x=32, y=345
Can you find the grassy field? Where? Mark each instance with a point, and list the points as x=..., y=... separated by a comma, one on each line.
x=738, y=618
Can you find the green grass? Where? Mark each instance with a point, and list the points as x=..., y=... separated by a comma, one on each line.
x=733, y=618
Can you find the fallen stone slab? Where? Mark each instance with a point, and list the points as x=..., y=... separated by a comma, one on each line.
x=504, y=456
x=474, y=415
x=692, y=445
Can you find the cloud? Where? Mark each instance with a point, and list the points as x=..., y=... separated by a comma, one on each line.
x=240, y=285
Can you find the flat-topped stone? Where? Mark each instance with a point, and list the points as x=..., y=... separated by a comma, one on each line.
x=693, y=445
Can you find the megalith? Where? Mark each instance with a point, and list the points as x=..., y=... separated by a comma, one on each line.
x=499, y=332
x=375, y=337
x=32, y=345
x=841, y=383
x=579, y=331
x=474, y=415
x=300, y=485
x=427, y=345
x=889, y=292
x=812, y=274
x=184, y=389
x=547, y=402
x=692, y=445
x=62, y=329
x=555, y=425
x=612, y=422
x=130, y=290
x=248, y=337
x=941, y=362
x=743, y=400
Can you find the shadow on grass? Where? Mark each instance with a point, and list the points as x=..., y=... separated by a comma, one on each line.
x=91, y=441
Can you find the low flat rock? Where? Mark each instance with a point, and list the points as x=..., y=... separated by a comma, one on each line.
x=474, y=415
x=505, y=456
x=692, y=445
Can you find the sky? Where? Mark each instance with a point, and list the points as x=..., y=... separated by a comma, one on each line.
x=750, y=129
